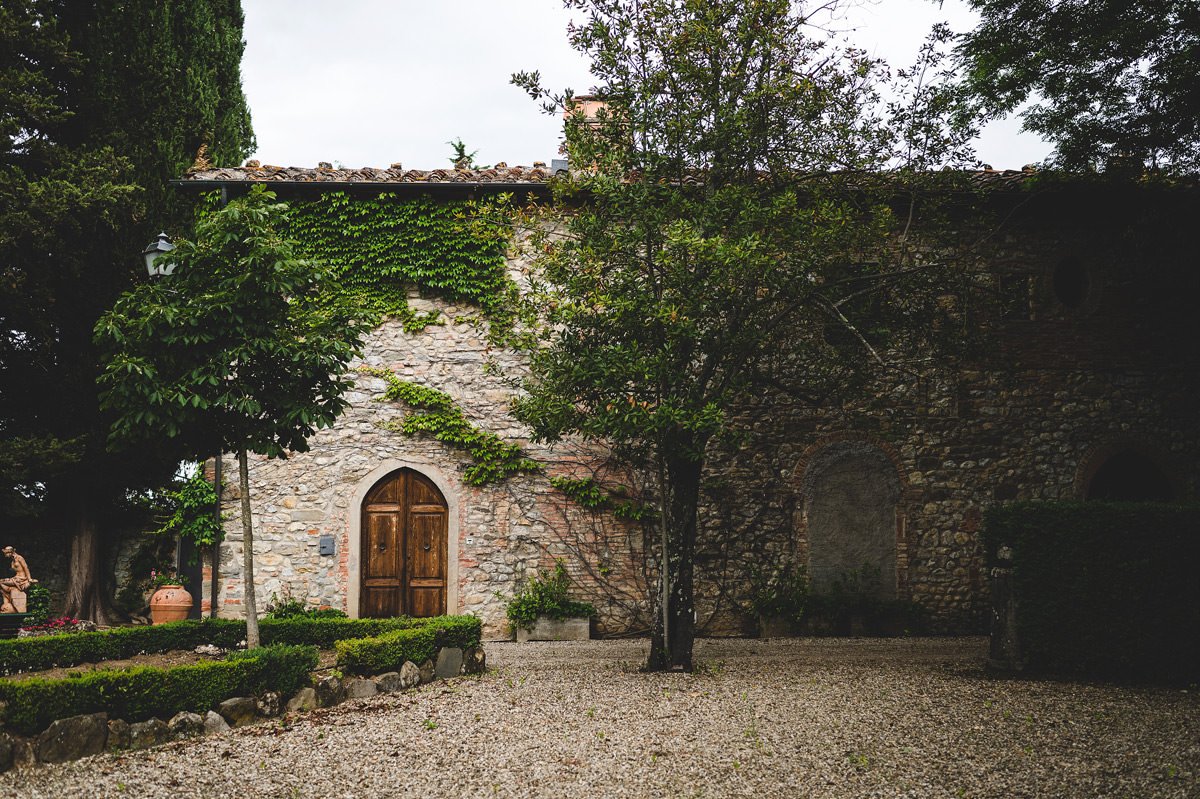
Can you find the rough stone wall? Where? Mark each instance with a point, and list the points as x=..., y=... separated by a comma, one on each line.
x=504, y=530
x=1065, y=388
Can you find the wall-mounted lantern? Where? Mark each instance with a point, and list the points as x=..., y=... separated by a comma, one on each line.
x=155, y=265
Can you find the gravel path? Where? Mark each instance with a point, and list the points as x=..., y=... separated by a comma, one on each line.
x=778, y=718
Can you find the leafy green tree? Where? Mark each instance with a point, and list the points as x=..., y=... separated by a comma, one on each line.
x=728, y=239
x=101, y=102
x=1107, y=77
x=243, y=348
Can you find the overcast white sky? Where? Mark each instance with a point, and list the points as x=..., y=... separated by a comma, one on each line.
x=372, y=82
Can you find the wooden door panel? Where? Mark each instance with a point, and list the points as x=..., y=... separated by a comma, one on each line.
x=404, y=520
x=380, y=601
x=382, y=547
x=426, y=601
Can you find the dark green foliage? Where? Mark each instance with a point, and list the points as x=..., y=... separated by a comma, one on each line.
x=1103, y=589
x=546, y=595
x=102, y=103
x=33, y=654
x=376, y=248
x=853, y=607
x=139, y=693
x=388, y=652
x=844, y=613
x=241, y=347
x=37, y=604
x=1110, y=77
x=494, y=459
x=782, y=593
x=244, y=348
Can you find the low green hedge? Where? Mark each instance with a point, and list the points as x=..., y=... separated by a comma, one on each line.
x=388, y=652
x=139, y=693
x=1103, y=589
x=54, y=651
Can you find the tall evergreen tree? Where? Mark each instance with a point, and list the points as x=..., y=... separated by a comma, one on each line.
x=101, y=103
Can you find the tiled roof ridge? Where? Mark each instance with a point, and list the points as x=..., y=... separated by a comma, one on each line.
x=500, y=174
x=253, y=171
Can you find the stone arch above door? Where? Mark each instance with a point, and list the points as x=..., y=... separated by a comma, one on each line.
x=436, y=480
x=851, y=513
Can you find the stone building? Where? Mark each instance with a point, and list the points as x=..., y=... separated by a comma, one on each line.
x=1088, y=393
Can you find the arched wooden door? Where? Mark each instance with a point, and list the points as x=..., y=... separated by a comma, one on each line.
x=403, y=548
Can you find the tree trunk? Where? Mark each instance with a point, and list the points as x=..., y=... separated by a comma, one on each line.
x=674, y=628
x=86, y=598
x=252, y=641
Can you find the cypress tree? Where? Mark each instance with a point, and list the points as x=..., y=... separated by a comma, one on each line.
x=101, y=103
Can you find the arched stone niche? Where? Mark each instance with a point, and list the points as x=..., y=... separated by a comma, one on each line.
x=1123, y=470
x=851, y=516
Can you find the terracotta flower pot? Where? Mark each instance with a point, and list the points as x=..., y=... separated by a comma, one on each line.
x=170, y=603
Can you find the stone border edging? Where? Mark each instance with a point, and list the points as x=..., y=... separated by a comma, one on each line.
x=90, y=734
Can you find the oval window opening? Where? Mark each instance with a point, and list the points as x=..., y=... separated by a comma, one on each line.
x=1071, y=283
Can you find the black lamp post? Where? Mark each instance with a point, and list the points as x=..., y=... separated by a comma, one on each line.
x=156, y=266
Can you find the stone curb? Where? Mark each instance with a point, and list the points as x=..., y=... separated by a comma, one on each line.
x=80, y=736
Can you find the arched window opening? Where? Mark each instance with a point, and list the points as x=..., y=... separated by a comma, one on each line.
x=1130, y=476
x=851, y=490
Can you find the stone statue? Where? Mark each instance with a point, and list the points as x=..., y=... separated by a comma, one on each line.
x=13, y=588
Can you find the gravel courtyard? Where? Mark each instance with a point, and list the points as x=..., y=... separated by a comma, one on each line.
x=776, y=718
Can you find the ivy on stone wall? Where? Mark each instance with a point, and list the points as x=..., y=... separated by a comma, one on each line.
x=593, y=496
x=378, y=247
x=494, y=459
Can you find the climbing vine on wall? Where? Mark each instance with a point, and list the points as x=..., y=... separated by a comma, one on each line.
x=494, y=459
x=594, y=496
x=379, y=246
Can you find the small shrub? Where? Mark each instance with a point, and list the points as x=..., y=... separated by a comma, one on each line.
x=288, y=608
x=37, y=604
x=388, y=652
x=546, y=595
x=782, y=594
x=853, y=607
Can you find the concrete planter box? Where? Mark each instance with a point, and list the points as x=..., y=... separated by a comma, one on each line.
x=547, y=629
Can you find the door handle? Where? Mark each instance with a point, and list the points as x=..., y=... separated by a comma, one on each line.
x=426, y=547
x=382, y=546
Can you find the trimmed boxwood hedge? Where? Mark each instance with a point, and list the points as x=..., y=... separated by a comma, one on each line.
x=389, y=651
x=1103, y=589
x=33, y=654
x=139, y=693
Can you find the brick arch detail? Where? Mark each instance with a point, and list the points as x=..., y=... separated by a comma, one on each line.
x=1102, y=450
x=908, y=495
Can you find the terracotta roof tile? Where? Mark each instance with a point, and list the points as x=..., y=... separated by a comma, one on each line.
x=394, y=174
